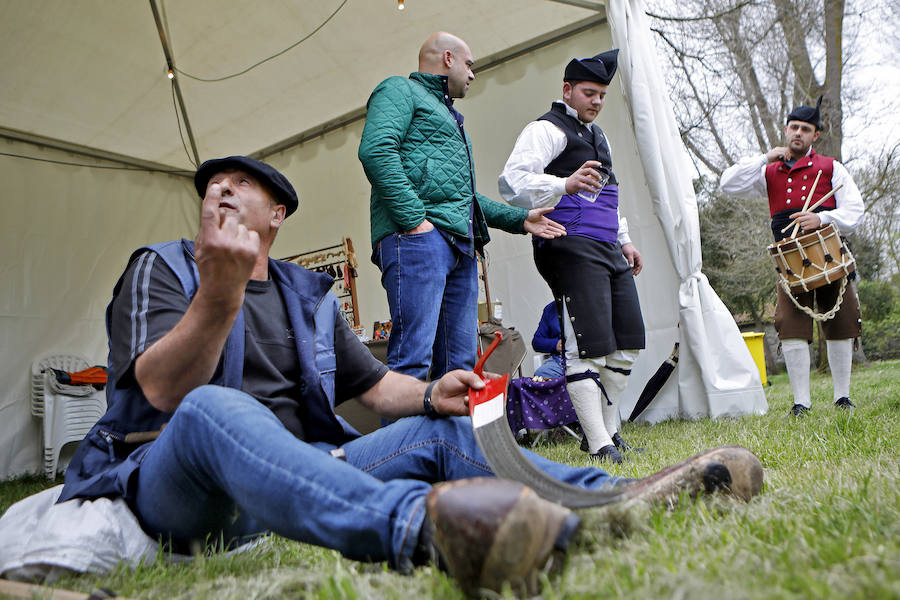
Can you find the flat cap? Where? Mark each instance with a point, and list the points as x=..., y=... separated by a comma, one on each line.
x=267, y=174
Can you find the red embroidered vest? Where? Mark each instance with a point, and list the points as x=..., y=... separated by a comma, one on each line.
x=788, y=187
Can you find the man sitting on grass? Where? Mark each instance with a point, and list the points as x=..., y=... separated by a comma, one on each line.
x=225, y=367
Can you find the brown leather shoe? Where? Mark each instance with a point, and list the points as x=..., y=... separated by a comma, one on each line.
x=731, y=469
x=490, y=531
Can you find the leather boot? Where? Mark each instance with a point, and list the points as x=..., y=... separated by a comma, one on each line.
x=491, y=531
x=730, y=469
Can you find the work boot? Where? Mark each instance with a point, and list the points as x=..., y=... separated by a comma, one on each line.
x=624, y=446
x=492, y=531
x=730, y=469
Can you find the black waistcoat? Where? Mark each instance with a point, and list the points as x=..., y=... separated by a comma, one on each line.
x=579, y=145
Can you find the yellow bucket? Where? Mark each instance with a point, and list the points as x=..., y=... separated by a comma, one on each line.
x=754, y=342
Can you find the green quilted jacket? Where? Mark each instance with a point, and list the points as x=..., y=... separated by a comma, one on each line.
x=420, y=166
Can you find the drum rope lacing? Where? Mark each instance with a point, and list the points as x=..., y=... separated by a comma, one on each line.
x=803, y=282
x=818, y=317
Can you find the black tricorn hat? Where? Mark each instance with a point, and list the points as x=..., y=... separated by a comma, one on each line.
x=599, y=68
x=267, y=174
x=807, y=114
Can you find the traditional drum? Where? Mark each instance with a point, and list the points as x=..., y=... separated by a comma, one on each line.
x=812, y=260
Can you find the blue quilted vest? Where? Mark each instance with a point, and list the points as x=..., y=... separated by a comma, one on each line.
x=107, y=459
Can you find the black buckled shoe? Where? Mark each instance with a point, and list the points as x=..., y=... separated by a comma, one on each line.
x=844, y=402
x=798, y=410
x=493, y=531
x=609, y=453
x=624, y=446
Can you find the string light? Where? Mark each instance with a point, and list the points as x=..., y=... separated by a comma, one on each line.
x=170, y=74
x=400, y=5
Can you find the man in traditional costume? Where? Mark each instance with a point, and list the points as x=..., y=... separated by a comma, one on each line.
x=786, y=175
x=563, y=160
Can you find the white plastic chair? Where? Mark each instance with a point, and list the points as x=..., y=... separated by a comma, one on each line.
x=69, y=411
x=63, y=362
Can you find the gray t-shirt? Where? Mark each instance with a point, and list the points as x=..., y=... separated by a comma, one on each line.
x=151, y=302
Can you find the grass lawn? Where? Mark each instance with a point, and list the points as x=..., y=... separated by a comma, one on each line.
x=826, y=525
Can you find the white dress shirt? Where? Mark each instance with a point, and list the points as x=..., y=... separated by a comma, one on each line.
x=523, y=181
x=747, y=179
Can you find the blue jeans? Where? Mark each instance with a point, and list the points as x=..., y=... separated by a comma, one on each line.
x=550, y=368
x=432, y=291
x=225, y=468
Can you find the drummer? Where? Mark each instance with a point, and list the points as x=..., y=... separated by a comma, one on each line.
x=785, y=174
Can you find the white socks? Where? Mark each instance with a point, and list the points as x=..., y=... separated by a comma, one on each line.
x=840, y=360
x=599, y=419
x=587, y=400
x=614, y=383
x=796, y=359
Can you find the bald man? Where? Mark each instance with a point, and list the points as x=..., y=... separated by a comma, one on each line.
x=428, y=222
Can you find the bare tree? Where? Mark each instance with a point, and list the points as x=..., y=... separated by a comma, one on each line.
x=880, y=182
x=737, y=67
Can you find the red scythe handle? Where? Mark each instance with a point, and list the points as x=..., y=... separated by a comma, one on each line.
x=479, y=366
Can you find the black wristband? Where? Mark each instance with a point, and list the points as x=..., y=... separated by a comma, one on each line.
x=430, y=412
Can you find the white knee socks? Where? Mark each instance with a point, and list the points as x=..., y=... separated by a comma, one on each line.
x=796, y=359
x=587, y=400
x=840, y=359
x=614, y=382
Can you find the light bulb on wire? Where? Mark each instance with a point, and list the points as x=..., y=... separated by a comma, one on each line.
x=400, y=5
x=170, y=74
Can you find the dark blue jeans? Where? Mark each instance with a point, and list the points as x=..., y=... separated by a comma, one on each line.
x=432, y=291
x=225, y=466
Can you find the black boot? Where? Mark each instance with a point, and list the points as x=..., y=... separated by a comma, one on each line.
x=798, y=410
x=608, y=453
x=624, y=446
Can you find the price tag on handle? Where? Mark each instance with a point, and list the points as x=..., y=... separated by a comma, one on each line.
x=488, y=403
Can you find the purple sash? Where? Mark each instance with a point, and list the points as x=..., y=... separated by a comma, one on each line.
x=598, y=220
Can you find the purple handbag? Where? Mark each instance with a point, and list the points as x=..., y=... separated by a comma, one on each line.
x=534, y=404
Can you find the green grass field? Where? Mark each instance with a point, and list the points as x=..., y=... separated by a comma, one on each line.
x=826, y=525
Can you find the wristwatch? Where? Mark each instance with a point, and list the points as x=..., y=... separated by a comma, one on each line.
x=430, y=412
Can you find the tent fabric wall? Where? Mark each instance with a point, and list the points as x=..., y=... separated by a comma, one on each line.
x=716, y=374
x=69, y=230
x=66, y=234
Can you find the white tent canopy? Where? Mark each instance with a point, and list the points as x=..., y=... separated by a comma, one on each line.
x=85, y=83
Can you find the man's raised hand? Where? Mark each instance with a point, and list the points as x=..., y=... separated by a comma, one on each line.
x=778, y=153
x=226, y=251
x=585, y=179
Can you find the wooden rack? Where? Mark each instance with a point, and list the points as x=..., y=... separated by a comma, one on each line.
x=338, y=261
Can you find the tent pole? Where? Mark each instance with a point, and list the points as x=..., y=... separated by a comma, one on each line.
x=90, y=152
x=588, y=4
x=171, y=64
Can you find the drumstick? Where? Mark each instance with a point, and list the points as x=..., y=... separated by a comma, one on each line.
x=805, y=204
x=816, y=205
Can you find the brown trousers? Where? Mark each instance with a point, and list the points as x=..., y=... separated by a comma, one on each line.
x=791, y=322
